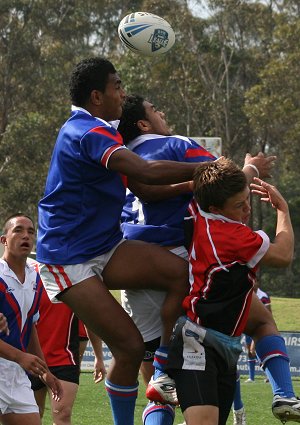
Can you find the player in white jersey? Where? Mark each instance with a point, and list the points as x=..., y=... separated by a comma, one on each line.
x=20, y=351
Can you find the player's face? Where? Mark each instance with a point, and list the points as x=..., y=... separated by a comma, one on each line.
x=113, y=98
x=237, y=207
x=156, y=120
x=19, y=238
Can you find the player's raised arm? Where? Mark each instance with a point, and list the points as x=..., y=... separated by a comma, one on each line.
x=281, y=251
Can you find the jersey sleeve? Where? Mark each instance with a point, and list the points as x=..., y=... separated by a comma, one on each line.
x=183, y=149
x=249, y=246
x=100, y=143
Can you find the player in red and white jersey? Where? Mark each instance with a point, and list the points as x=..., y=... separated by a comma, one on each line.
x=225, y=253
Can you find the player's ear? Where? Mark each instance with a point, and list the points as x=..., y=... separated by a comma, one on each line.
x=143, y=125
x=3, y=239
x=96, y=97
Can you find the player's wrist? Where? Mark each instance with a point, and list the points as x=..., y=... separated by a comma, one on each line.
x=253, y=167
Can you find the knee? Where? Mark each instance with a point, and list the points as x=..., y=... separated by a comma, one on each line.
x=132, y=351
x=62, y=415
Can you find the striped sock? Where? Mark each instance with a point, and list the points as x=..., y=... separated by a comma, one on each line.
x=271, y=351
x=160, y=357
x=158, y=414
x=122, y=402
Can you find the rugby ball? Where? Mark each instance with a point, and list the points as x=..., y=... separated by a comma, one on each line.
x=146, y=34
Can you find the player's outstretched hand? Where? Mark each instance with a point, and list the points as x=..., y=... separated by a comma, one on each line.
x=32, y=364
x=3, y=324
x=264, y=164
x=54, y=384
x=269, y=193
x=99, y=371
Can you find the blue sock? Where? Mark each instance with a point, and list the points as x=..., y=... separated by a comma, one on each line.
x=160, y=359
x=271, y=351
x=158, y=414
x=251, y=364
x=122, y=402
x=237, y=401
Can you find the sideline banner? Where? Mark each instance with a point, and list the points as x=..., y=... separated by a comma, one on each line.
x=292, y=340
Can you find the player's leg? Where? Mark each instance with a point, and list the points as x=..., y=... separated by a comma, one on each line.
x=40, y=393
x=139, y=265
x=62, y=410
x=239, y=415
x=156, y=268
x=251, y=359
x=40, y=398
x=106, y=318
x=272, y=353
x=20, y=419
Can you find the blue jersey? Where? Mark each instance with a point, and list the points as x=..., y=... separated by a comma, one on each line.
x=79, y=215
x=19, y=302
x=161, y=222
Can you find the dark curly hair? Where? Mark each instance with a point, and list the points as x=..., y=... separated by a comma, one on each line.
x=88, y=75
x=133, y=111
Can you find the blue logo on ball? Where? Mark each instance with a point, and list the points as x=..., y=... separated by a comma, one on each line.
x=159, y=39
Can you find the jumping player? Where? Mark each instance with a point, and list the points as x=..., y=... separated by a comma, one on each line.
x=156, y=219
x=20, y=351
x=224, y=257
x=80, y=247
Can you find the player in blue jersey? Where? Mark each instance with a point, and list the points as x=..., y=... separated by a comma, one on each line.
x=80, y=246
x=155, y=219
x=20, y=351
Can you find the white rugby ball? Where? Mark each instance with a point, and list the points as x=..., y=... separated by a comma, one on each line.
x=146, y=34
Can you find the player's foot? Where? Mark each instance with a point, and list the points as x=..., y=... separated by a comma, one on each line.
x=162, y=389
x=286, y=409
x=249, y=381
x=239, y=417
x=267, y=381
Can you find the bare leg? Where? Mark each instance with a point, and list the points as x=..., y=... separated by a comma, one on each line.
x=97, y=308
x=40, y=398
x=20, y=419
x=137, y=265
x=260, y=321
x=62, y=410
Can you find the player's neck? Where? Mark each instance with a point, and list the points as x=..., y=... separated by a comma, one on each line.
x=17, y=265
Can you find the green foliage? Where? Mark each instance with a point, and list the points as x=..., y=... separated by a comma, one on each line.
x=232, y=73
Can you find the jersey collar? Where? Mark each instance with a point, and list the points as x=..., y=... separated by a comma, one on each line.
x=78, y=108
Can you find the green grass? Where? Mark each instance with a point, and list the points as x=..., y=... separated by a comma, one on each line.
x=92, y=405
x=286, y=313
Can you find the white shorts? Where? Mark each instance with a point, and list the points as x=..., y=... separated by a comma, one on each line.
x=16, y=395
x=56, y=278
x=144, y=305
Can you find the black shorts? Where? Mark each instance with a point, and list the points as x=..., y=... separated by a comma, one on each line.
x=204, y=369
x=150, y=348
x=69, y=373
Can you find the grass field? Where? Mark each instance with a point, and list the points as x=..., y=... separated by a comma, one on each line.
x=92, y=405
